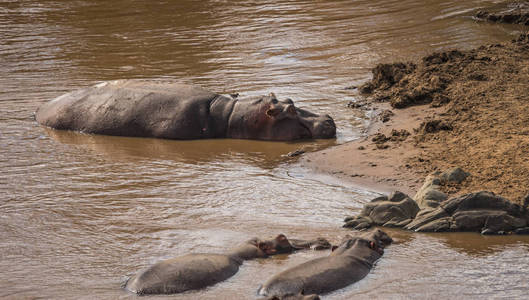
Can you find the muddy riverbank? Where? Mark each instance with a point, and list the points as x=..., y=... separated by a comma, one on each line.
x=454, y=108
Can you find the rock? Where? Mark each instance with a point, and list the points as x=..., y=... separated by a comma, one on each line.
x=516, y=12
x=358, y=223
x=454, y=175
x=525, y=201
x=296, y=153
x=477, y=212
x=524, y=230
x=397, y=210
x=430, y=195
x=427, y=219
x=439, y=225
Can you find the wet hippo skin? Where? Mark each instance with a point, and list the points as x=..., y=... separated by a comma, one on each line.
x=172, y=110
x=195, y=271
x=348, y=263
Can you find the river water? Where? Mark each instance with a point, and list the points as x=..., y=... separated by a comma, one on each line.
x=80, y=213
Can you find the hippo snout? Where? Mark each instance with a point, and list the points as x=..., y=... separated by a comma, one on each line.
x=323, y=128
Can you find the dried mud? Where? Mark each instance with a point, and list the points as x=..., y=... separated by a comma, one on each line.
x=480, y=122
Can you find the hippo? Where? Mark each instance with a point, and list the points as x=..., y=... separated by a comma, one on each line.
x=171, y=110
x=196, y=271
x=348, y=263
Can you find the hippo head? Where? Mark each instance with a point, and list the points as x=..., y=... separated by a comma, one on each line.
x=268, y=118
x=256, y=247
x=280, y=244
x=370, y=243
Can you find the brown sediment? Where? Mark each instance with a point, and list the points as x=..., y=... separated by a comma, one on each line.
x=462, y=108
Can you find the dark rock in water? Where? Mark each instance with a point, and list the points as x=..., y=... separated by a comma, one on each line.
x=397, y=210
x=524, y=230
x=295, y=153
x=479, y=212
x=514, y=13
x=432, y=211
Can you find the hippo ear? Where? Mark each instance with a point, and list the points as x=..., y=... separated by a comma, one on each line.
x=281, y=238
x=272, y=95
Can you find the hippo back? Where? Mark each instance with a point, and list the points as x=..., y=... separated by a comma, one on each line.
x=145, y=108
x=189, y=272
x=318, y=276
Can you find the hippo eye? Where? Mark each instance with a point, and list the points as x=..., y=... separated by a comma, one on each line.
x=274, y=101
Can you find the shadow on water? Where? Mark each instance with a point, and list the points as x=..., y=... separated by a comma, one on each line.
x=468, y=243
x=263, y=154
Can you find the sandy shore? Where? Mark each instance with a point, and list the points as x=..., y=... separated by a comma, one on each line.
x=456, y=108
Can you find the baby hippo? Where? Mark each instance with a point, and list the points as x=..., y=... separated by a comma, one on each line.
x=196, y=271
x=348, y=263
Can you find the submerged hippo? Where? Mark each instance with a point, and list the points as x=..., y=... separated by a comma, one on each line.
x=348, y=263
x=165, y=109
x=195, y=271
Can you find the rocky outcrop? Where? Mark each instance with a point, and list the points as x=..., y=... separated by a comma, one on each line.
x=431, y=210
x=482, y=212
x=430, y=194
x=397, y=210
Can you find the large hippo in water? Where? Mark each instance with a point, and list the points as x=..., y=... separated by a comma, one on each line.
x=348, y=263
x=170, y=110
x=195, y=271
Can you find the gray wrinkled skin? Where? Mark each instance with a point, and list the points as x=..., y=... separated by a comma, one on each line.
x=196, y=271
x=348, y=263
x=165, y=109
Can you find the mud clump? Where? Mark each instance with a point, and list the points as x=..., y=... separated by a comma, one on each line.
x=433, y=126
x=386, y=115
x=407, y=84
x=513, y=13
x=479, y=113
x=386, y=75
x=380, y=139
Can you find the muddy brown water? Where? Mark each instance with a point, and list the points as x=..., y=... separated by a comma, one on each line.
x=80, y=213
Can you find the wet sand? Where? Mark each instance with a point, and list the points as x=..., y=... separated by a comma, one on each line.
x=462, y=108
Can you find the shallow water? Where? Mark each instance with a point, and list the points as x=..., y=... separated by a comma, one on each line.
x=78, y=213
